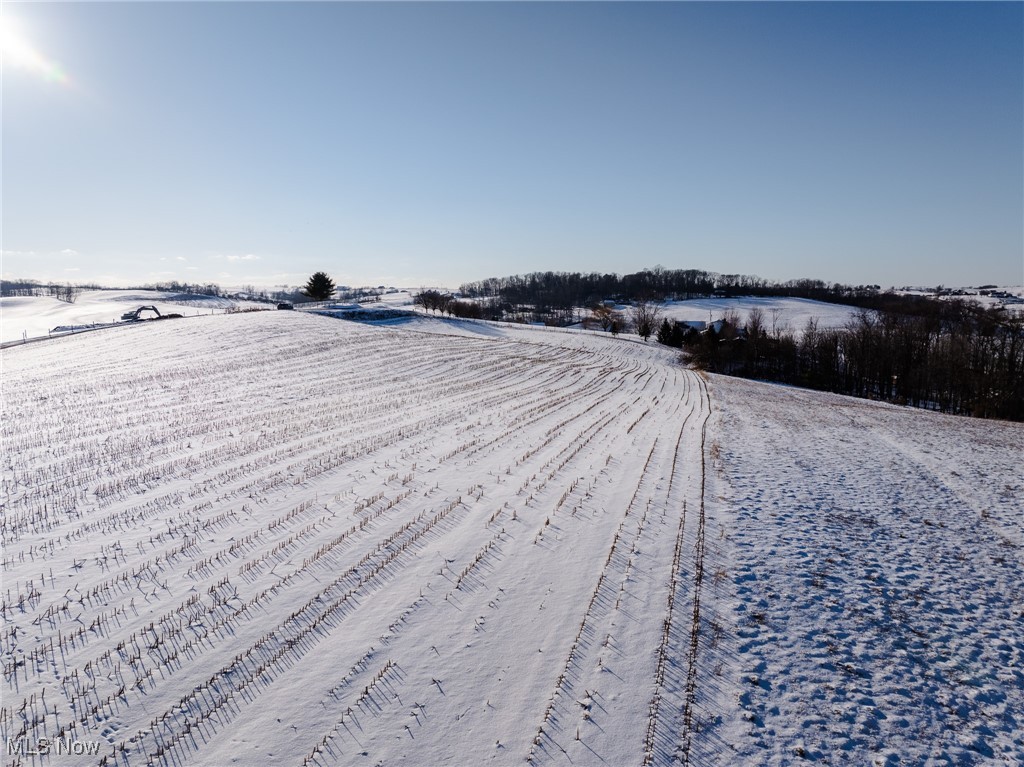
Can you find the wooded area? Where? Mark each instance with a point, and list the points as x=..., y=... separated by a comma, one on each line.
x=545, y=291
x=952, y=356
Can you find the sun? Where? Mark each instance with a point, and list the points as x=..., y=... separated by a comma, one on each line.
x=17, y=52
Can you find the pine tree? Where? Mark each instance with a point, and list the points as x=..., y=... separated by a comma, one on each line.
x=320, y=287
x=665, y=333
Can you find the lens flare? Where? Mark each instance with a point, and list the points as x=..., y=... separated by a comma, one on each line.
x=17, y=52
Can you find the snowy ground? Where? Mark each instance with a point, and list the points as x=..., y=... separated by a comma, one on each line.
x=787, y=314
x=280, y=538
x=784, y=314
x=873, y=607
x=261, y=538
x=1012, y=301
x=36, y=316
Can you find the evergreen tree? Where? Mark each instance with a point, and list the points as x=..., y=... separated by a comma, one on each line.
x=665, y=333
x=320, y=287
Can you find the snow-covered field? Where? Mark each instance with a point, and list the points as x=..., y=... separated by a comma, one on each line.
x=872, y=601
x=280, y=538
x=1010, y=297
x=259, y=538
x=37, y=316
x=785, y=314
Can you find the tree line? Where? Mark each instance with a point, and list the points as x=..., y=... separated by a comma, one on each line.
x=190, y=288
x=546, y=292
x=952, y=356
x=70, y=292
x=67, y=292
x=444, y=303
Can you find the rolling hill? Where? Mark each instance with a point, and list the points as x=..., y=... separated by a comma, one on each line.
x=280, y=538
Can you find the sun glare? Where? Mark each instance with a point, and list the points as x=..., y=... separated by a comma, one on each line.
x=17, y=52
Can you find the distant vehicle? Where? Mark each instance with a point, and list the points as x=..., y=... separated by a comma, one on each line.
x=133, y=315
x=285, y=306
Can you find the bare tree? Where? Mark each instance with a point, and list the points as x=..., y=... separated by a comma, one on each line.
x=645, y=316
x=604, y=316
x=433, y=300
x=67, y=293
x=755, y=323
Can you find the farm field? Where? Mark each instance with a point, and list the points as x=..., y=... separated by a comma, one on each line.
x=36, y=316
x=785, y=314
x=280, y=538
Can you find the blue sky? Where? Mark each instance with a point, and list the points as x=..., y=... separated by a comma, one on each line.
x=434, y=143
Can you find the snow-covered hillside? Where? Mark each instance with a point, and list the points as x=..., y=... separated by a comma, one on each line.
x=784, y=314
x=1010, y=298
x=872, y=601
x=261, y=538
x=281, y=538
x=36, y=316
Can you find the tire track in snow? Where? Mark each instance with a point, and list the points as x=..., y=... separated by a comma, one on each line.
x=686, y=737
